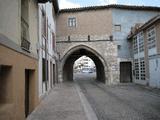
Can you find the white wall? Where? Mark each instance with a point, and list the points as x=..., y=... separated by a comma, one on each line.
x=154, y=72
x=51, y=22
x=10, y=18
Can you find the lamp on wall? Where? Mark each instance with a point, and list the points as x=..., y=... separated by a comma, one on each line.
x=111, y=37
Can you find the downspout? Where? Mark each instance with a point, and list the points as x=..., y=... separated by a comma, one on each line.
x=46, y=53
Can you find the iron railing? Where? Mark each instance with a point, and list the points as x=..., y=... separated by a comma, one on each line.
x=25, y=43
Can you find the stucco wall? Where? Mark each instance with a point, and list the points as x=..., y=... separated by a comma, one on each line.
x=154, y=70
x=128, y=19
x=33, y=25
x=49, y=10
x=10, y=21
x=14, y=109
x=95, y=22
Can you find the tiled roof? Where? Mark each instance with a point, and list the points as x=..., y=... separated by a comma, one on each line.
x=146, y=25
x=110, y=6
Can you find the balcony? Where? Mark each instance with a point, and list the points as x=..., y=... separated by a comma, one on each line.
x=25, y=44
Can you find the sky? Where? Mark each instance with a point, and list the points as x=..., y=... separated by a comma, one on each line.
x=82, y=3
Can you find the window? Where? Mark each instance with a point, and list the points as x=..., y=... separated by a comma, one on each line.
x=138, y=43
x=53, y=41
x=139, y=65
x=44, y=24
x=151, y=37
x=72, y=22
x=136, y=65
x=43, y=70
x=142, y=69
x=117, y=28
x=25, y=42
x=135, y=45
x=141, y=42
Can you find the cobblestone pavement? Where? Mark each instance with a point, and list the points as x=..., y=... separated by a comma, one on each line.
x=62, y=103
x=121, y=102
x=118, y=102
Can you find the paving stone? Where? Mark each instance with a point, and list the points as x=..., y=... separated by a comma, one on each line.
x=62, y=103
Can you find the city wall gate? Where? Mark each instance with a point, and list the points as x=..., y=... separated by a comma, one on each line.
x=103, y=53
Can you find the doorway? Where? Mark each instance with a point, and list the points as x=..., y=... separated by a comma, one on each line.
x=71, y=57
x=29, y=87
x=125, y=72
x=54, y=82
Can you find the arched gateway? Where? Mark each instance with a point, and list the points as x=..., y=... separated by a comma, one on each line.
x=70, y=56
x=103, y=53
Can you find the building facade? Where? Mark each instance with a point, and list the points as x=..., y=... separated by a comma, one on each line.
x=84, y=63
x=26, y=38
x=79, y=32
x=18, y=58
x=146, y=52
x=47, y=47
x=100, y=33
x=123, y=21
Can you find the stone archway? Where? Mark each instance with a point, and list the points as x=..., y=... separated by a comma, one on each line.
x=76, y=52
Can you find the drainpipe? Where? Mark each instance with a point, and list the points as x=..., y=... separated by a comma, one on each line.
x=46, y=52
x=46, y=63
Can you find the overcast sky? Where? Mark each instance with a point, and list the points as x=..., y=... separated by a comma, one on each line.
x=82, y=3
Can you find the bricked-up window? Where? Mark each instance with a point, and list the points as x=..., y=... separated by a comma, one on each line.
x=142, y=69
x=135, y=45
x=151, y=37
x=117, y=28
x=72, y=22
x=53, y=41
x=140, y=38
x=136, y=65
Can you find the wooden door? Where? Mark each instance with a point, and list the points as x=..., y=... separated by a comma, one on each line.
x=125, y=72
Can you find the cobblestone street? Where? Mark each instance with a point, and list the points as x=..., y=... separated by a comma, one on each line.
x=120, y=102
x=62, y=103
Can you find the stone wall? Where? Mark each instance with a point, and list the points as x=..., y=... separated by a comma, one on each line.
x=105, y=49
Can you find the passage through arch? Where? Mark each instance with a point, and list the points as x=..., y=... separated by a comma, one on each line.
x=73, y=54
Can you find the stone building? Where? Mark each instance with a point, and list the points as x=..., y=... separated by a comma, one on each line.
x=145, y=40
x=47, y=47
x=100, y=33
